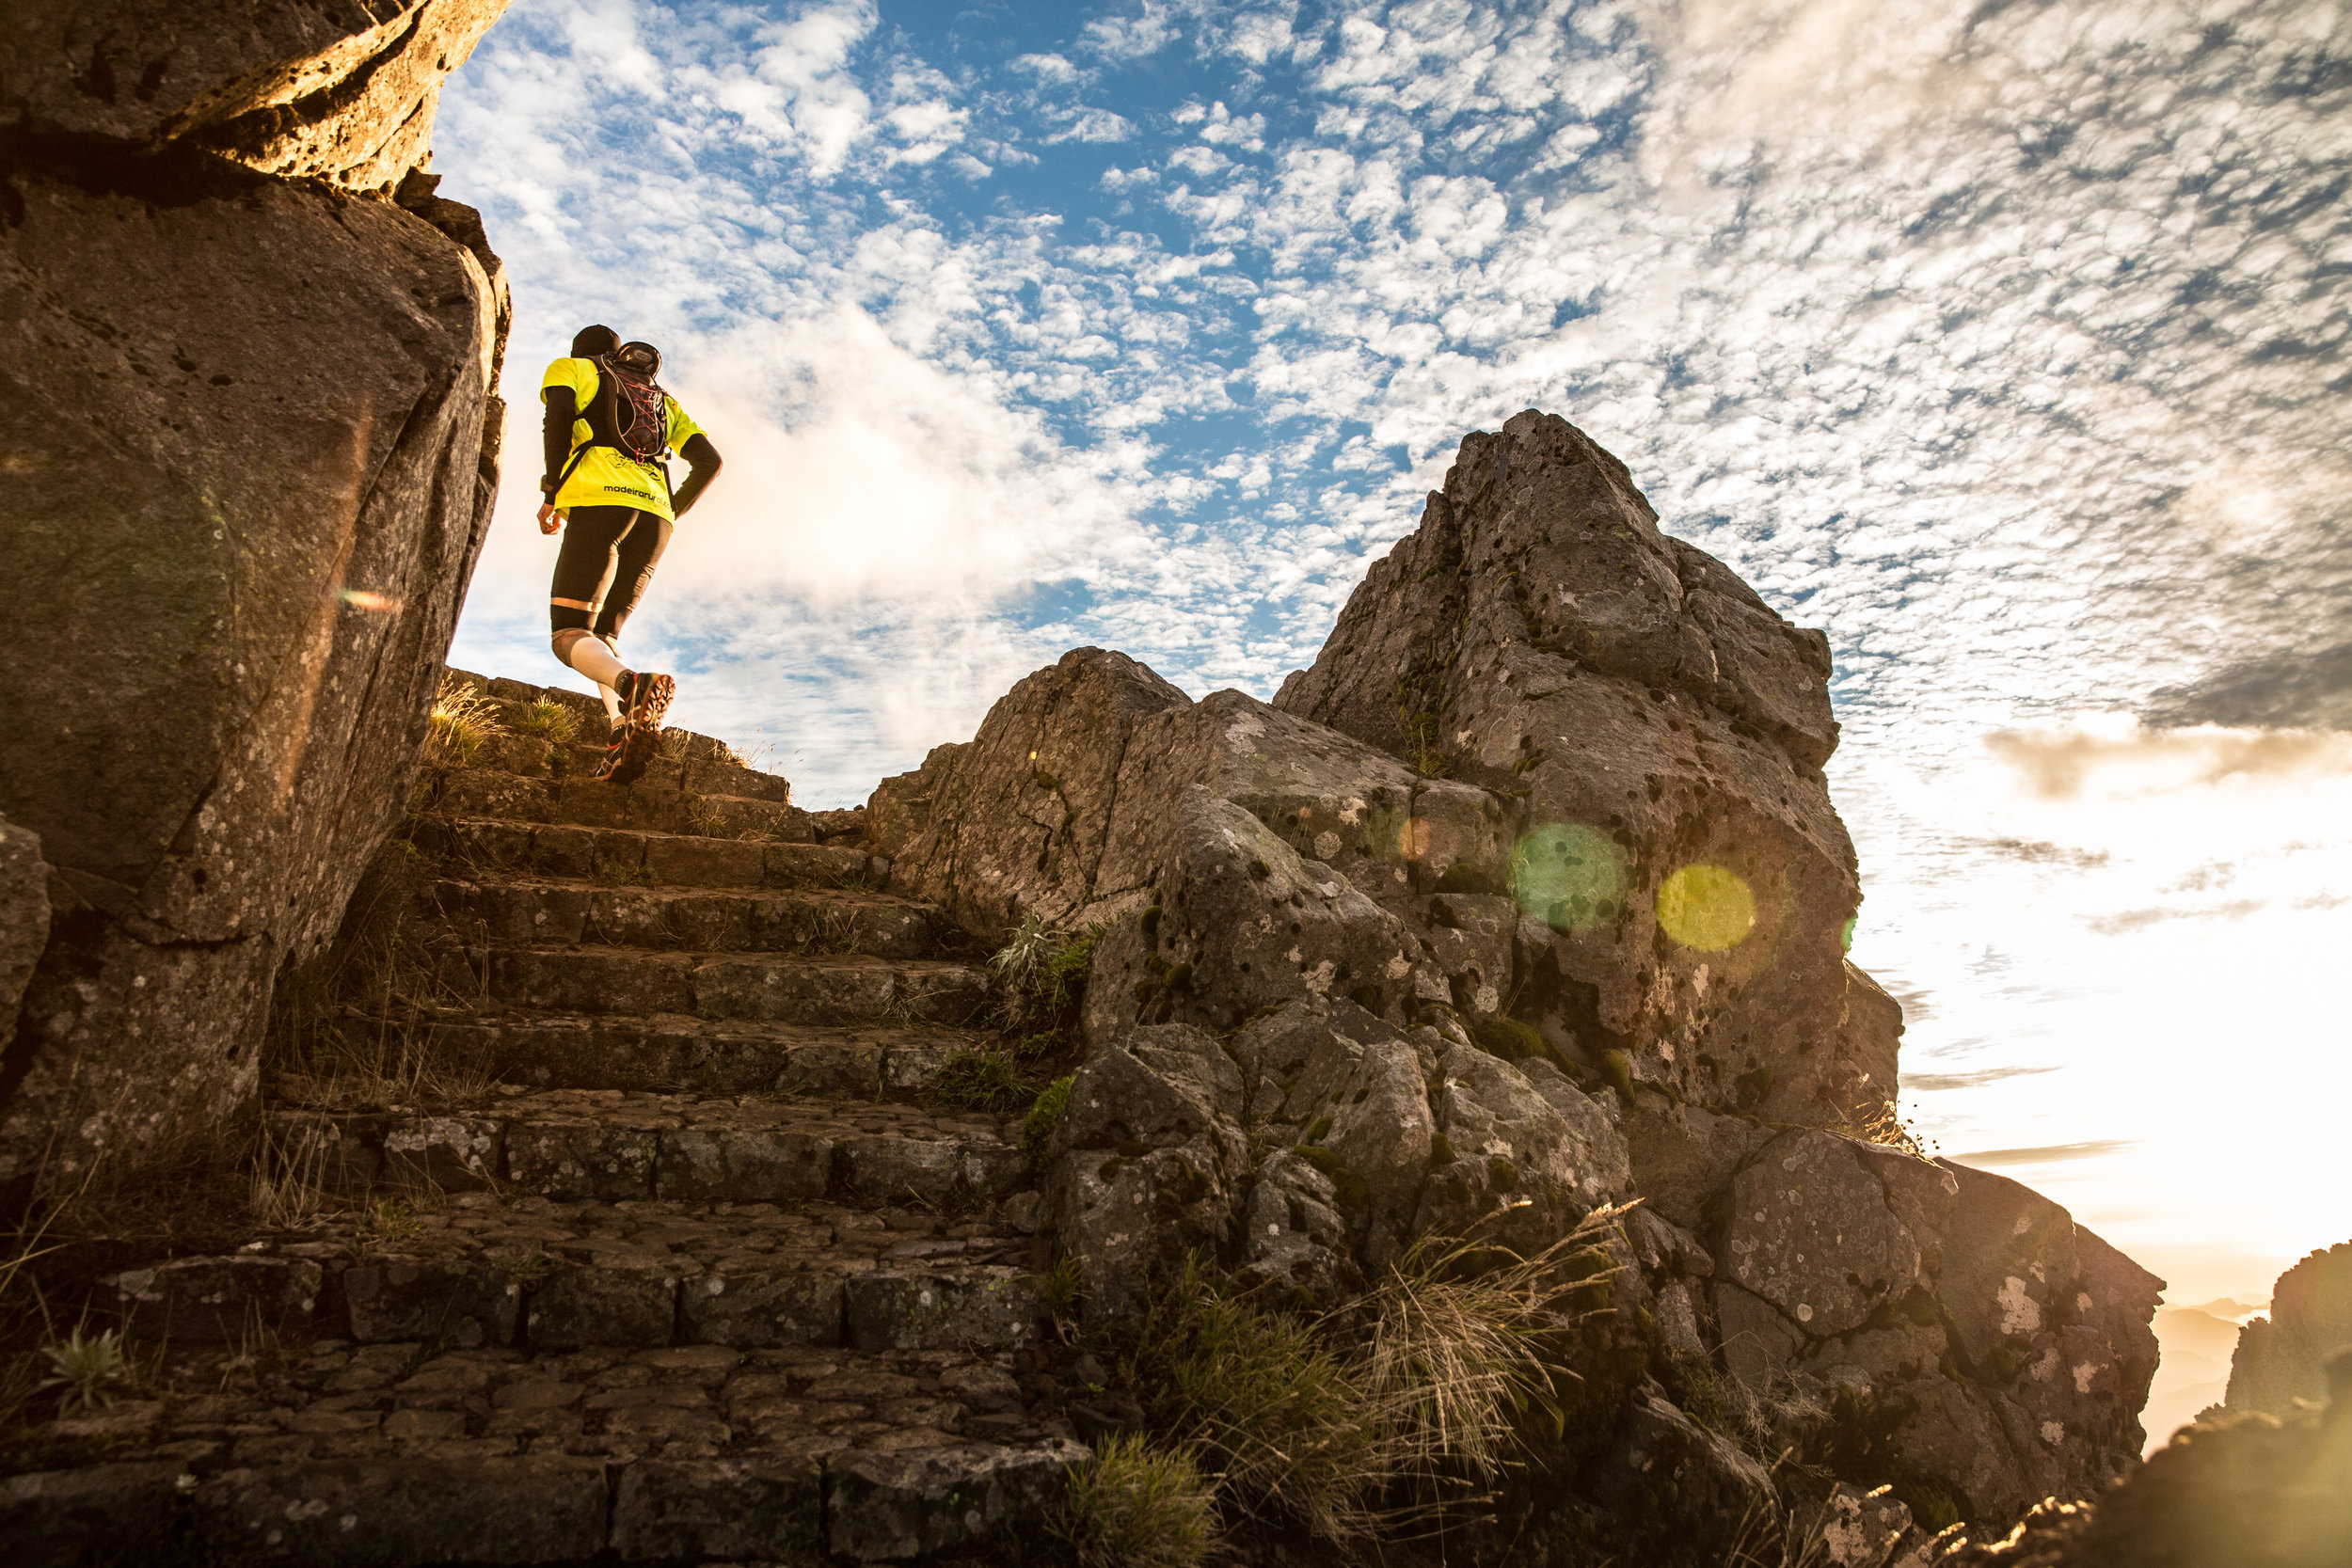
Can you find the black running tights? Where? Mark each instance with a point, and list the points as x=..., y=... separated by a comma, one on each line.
x=608, y=557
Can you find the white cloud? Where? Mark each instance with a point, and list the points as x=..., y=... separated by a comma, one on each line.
x=1131, y=37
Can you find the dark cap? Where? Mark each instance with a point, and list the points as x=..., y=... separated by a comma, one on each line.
x=589, y=342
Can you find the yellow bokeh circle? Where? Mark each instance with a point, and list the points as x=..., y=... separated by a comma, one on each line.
x=1707, y=907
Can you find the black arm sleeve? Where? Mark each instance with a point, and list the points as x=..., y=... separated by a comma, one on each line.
x=703, y=461
x=555, y=430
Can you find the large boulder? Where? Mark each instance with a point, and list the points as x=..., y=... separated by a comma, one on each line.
x=1661, y=732
x=1967, y=1340
x=2284, y=1357
x=240, y=531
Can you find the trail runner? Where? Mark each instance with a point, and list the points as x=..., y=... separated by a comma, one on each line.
x=607, y=427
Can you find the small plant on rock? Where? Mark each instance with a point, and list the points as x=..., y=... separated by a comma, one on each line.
x=1063, y=1284
x=1028, y=947
x=980, y=1081
x=1037, y=1128
x=392, y=1222
x=84, y=1368
x=1456, y=1353
x=549, y=720
x=1043, y=972
x=1138, y=1505
x=460, y=720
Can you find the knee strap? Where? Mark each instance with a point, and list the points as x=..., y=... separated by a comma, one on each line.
x=564, y=640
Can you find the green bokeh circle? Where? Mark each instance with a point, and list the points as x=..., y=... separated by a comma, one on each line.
x=1568, y=876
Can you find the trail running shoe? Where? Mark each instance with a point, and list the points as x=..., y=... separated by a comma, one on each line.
x=613, y=749
x=648, y=701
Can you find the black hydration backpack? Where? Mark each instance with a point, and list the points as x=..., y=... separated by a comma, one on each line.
x=629, y=412
x=634, y=409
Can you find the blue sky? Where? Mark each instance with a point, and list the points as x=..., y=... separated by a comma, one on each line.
x=2006, y=342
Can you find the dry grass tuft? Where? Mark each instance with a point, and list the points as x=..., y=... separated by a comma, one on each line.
x=289, y=1181
x=460, y=720
x=1456, y=1353
x=1886, y=1128
x=1381, y=1421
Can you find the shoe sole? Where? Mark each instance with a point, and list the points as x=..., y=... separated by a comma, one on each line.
x=641, y=740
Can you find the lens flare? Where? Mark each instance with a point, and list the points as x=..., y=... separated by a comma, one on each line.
x=1706, y=907
x=1568, y=876
x=367, y=598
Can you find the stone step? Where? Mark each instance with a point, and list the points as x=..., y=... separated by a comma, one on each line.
x=701, y=1055
x=638, y=857
x=531, y=757
x=573, y=909
x=780, y=988
x=485, y=1268
x=618, y=1146
x=404, y=1453
x=655, y=803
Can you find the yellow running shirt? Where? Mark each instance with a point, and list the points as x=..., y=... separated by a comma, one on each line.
x=603, y=476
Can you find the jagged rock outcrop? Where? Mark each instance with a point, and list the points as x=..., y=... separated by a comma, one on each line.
x=2284, y=1357
x=241, y=529
x=1529, y=897
x=1662, y=733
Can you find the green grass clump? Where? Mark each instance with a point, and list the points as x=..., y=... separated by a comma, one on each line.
x=1269, y=1406
x=84, y=1368
x=549, y=720
x=1137, y=1505
x=1037, y=1128
x=980, y=1081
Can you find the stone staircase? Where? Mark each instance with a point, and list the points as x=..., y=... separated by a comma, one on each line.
x=699, y=1273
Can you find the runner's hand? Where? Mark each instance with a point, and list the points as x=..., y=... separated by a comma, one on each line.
x=548, y=521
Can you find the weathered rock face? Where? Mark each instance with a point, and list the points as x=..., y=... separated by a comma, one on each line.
x=1338, y=1004
x=1970, y=1337
x=1240, y=857
x=242, y=529
x=2284, y=1357
x=341, y=91
x=1661, y=733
